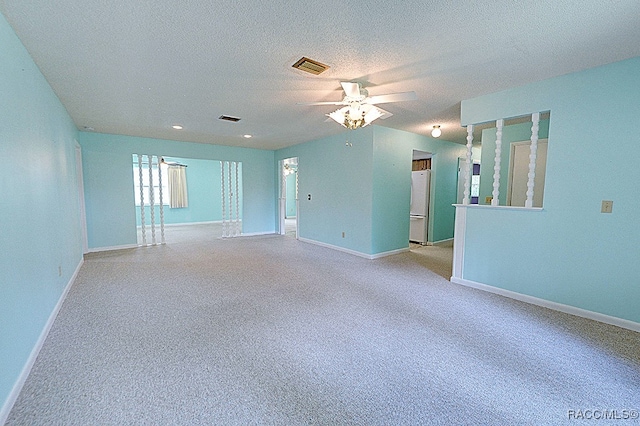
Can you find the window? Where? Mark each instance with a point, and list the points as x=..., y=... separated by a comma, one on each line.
x=145, y=181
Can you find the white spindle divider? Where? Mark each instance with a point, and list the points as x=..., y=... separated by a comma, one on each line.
x=161, y=201
x=296, y=193
x=535, y=118
x=497, y=164
x=282, y=196
x=141, y=181
x=152, y=206
x=230, y=201
x=467, y=166
x=224, y=198
x=238, y=230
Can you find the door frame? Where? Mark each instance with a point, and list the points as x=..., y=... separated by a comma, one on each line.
x=282, y=196
x=81, y=202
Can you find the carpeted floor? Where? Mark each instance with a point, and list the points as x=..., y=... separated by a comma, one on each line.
x=270, y=330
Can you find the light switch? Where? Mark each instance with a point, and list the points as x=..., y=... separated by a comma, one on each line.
x=607, y=206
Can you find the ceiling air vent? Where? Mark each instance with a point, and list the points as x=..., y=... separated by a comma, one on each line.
x=229, y=118
x=310, y=66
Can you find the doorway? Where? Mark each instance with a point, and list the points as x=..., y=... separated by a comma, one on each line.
x=519, y=173
x=420, y=197
x=289, y=210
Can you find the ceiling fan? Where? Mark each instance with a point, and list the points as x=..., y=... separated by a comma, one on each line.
x=360, y=109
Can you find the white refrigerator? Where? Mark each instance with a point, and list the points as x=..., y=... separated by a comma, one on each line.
x=419, y=213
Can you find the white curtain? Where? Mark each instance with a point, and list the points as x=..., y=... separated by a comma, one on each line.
x=178, y=187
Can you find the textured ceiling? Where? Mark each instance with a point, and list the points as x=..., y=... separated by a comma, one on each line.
x=138, y=67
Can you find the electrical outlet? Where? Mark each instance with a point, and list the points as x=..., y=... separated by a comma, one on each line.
x=607, y=206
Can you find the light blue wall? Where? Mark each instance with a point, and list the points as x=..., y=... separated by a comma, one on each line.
x=40, y=241
x=339, y=179
x=513, y=133
x=108, y=181
x=203, y=189
x=569, y=253
x=364, y=180
x=393, y=150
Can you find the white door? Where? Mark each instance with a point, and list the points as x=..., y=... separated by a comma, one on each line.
x=519, y=173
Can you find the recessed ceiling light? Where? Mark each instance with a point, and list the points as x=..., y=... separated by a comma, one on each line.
x=177, y=127
x=247, y=136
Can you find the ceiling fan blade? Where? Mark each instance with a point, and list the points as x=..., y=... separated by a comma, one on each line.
x=321, y=103
x=351, y=89
x=392, y=97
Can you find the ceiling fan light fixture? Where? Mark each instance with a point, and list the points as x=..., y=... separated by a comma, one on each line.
x=339, y=116
x=359, y=110
x=436, y=132
x=373, y=114
x=343, y=117
x=355, y=116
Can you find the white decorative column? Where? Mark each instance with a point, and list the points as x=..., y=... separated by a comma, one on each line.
x=230, y=228
x=467, y=166
x=282, y=197
x=497, y=164
x=161, y=201
x=152, y=207
x=238, y=230
x=535, y=118
x=297, y=206
x=141, y=182
x=224, y=198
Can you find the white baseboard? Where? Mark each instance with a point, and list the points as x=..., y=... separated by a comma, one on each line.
x=388, y=253
x=168, y=225
x=122, y=247
x=448, y=241
x=331, y=246
x=354, y=252
x=254, y=234
x=22, y=378
x=567, y=309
